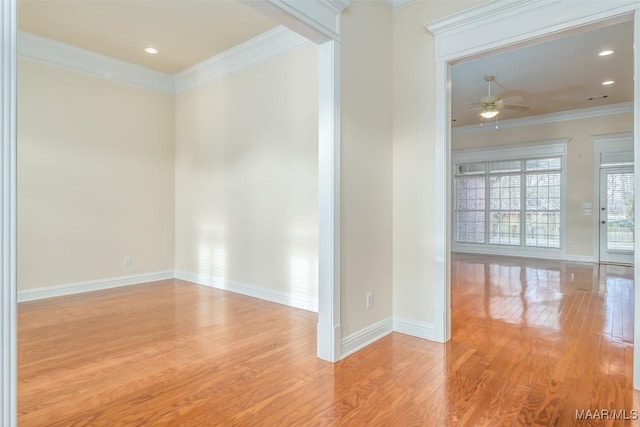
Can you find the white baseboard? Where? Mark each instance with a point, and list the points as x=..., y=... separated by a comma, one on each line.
x=581, y=258
x=416, y=328
x=290, y=299
x=590, y=259
x=366, y=336
x=285, y=298
x=92, y=285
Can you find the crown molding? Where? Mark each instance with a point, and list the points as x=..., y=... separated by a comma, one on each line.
x=562, y=116
x=399, y=4
x=317, y=20
x=266, y=45
x=494, y=10
x=481, y=14
x=339, y=5
x=453, y=30
x=52, y=52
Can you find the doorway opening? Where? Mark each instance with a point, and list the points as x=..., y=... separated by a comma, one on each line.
x=462, y=36
x=615, y=220
x=616, y=215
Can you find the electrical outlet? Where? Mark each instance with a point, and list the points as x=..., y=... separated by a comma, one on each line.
x=127, y=261
x=369, y=299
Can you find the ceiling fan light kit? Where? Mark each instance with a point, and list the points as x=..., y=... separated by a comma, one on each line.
x=489, y=108
x=489, y=114
x=492, y=104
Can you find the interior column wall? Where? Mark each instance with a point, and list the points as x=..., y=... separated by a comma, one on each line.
x=413, y=161
x=366, y=164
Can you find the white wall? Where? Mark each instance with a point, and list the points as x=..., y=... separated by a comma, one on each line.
x=95, y=178
x=247, y=176
x=366, y=169
x=580, y=165
x=413, y=155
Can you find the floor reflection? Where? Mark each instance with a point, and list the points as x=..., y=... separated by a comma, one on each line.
x=557, y=334
x=542, y=294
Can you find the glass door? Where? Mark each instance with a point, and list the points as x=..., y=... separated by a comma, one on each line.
x=616, y=215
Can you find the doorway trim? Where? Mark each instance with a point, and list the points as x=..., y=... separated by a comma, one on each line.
x=603, y=145
x=320, y=22
x=464, y=34
x=8, y=307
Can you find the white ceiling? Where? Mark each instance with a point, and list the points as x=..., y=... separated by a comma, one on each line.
x=184, y=31
x=549, y=77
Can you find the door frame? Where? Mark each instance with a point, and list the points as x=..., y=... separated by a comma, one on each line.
x=604, y=145
x=8, y=291
x=463, y=35
x=602, y=186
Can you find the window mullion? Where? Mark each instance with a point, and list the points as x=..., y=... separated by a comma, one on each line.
x=487, y=206
x=523, y=206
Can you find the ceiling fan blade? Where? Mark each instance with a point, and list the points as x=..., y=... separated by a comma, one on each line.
x=469, y=110
x=515, y=107
x=512, y=99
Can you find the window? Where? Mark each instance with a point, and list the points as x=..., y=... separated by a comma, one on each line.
x=509, y=203
x=471, y=202
x=543, y=185
x=504, y=212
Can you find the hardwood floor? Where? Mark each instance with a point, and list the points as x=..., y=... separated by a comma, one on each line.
x=533, y=341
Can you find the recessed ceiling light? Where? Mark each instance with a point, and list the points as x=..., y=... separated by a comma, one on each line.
x=151, y=50
x=608, y=82
x=606, y=52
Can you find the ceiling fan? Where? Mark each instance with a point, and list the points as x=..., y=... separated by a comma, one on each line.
x=491, y=105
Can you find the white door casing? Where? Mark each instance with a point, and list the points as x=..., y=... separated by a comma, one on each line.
x=319, y=21
x=8, y=318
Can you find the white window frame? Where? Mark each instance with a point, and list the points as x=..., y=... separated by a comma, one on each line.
x=541, y=149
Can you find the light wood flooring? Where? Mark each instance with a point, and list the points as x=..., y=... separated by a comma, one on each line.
x=533, y=341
